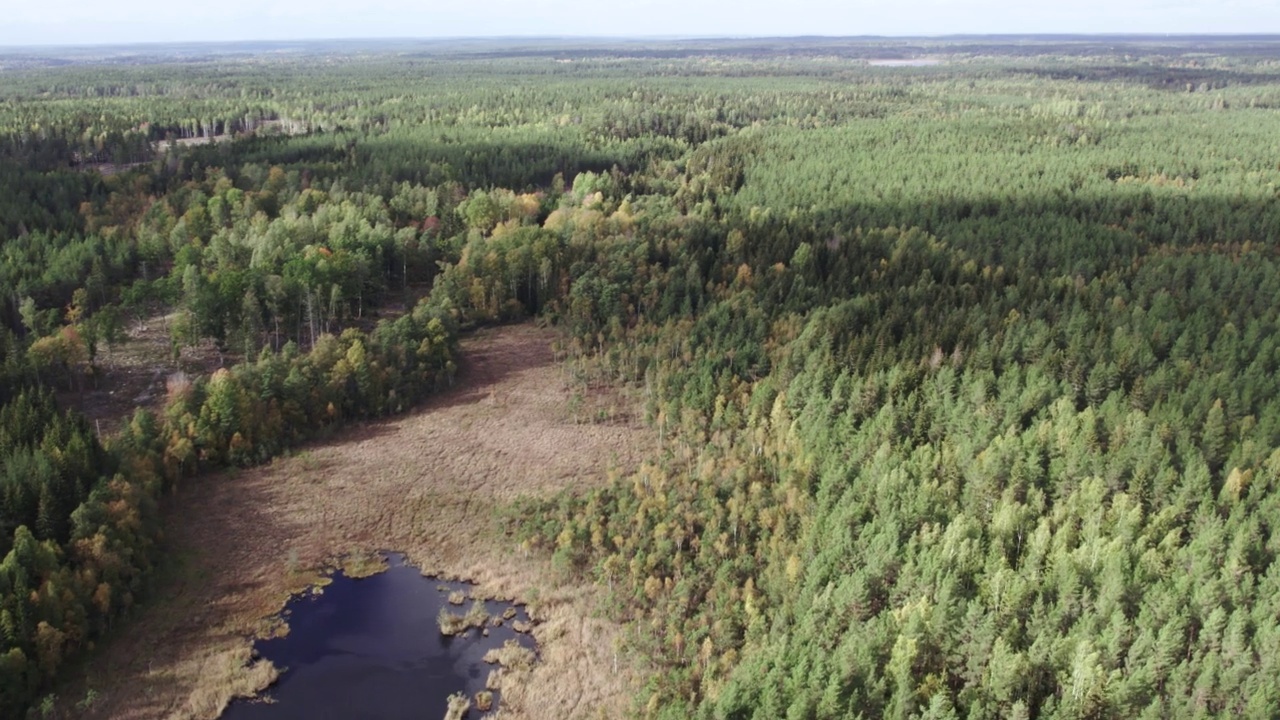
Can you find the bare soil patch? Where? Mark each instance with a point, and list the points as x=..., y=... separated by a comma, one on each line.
x=427, y=484
x=131, y=374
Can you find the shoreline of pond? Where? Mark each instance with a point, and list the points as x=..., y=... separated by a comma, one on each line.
x=370, y=640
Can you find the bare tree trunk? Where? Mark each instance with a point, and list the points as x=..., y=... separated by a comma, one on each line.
x=311, y=318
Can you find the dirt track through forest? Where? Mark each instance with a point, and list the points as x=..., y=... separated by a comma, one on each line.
x=426, y=483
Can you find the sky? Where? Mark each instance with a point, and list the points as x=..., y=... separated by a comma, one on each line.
x=76, y=22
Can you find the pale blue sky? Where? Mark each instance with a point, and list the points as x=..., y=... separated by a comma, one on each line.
x=31, y=22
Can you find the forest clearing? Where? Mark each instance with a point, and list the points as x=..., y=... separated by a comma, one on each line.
x=429, y=484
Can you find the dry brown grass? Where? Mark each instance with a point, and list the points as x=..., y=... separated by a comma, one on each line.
x=363, y=564
x=458, y=706
x=451, y=623
x=476, y=615
x=226, y=674
x=512, y=656
x=426, y=484
x=494, y=681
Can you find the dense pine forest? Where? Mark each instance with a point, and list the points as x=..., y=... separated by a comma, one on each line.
x=965, y=355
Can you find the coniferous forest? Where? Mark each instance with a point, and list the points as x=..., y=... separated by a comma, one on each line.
x=964, y=355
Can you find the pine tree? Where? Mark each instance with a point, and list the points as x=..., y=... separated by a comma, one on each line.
x=1213, y=437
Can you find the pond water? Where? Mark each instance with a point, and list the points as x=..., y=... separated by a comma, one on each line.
x=372, y=648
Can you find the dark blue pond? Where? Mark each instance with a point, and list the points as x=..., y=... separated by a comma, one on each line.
x=372, y=648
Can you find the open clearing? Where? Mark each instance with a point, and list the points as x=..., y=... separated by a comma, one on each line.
x=426, y=483
x=132, y=373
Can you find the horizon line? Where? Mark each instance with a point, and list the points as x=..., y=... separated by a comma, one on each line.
x=1113, y=35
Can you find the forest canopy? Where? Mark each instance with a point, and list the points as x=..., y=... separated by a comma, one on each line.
x=965, y=370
